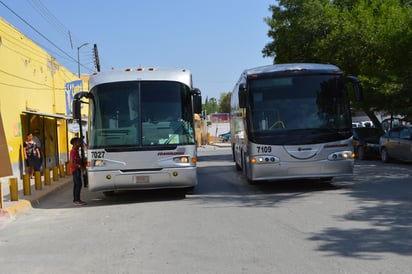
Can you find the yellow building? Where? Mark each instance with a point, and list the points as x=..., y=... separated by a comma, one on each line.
x=35, y=94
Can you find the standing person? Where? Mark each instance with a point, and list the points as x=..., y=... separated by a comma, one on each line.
x=36, y=138
x=76, y=169
x=31, y=154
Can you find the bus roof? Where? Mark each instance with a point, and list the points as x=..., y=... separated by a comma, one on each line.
x=292, y=67
x=141, y=74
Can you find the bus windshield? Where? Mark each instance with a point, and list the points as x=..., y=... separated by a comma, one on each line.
x=304, y=109
x=141, y=114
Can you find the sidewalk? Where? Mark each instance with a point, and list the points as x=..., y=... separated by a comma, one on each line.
x=220, y=144
x=25, y=202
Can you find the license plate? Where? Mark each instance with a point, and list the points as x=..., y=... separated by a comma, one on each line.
x=142, y=179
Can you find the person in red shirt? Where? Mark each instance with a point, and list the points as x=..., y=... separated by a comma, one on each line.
x=77, y=170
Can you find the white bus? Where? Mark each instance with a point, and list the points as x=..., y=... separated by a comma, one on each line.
x=141, y=129
x=293, y=121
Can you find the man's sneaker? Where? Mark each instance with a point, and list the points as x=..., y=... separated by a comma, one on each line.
x=79, y=203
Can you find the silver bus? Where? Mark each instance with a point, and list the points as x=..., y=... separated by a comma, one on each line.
x=293, y=121
x=140, y=129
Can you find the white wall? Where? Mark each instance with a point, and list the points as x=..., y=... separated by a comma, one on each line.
x=218, y=128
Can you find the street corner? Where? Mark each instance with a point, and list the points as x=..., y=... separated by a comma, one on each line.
x=4, y=214
x=14, y=209
x=5, y=218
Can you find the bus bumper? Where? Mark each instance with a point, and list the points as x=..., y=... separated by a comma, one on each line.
x=165, y=178
x=294, y=170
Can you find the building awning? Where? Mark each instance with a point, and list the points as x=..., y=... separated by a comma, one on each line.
x=58, y=116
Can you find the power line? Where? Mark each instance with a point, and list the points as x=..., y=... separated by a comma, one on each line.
x=48, y=16
x=27, y=80
x=38, y=32
x=55, y=22
x=52, y=20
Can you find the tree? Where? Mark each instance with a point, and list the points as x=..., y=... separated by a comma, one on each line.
x=224, y=102
x=371, y=39
x=210, y=105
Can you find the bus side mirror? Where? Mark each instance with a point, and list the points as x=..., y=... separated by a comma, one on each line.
x=76, y=109
x=76, y=105
x=358, y=92
x=197, y=101
x=357, y=87
x=242, y=95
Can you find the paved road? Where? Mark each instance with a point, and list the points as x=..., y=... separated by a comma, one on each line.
x=355, y=225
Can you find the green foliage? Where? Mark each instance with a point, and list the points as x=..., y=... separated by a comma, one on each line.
x=224, y=103
x=368, y=38
x=212, y=105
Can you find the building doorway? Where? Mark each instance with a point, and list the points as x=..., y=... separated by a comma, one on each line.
x=46, y=128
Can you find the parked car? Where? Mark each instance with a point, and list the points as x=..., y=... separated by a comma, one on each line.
x=224, y=137
x=396, y=144
x=366, y=142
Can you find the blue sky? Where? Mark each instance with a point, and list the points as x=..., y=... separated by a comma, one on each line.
x=215, y=39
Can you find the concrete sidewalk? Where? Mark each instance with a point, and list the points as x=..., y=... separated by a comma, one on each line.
x=222, y=145
x=25, y=202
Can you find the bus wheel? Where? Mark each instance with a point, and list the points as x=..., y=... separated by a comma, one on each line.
x=243, y=160
x=360, y=152
x=108, y=193
x=190, y=190
x=251, y=182
x=385, y=155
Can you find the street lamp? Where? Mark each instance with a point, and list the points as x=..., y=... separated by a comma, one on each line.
x=78, y=57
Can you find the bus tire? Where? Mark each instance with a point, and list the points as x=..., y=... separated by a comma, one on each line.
x=189, y=190
x=243, y=161
x=360, y=152
x=108, y=193
x=251, y=182
x=238, y=167
x=246, y=171
x=385, y=156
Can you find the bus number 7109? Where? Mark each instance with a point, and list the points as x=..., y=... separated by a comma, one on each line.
x=264, y=149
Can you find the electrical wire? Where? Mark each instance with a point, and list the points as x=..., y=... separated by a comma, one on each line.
x=39, y=33
x=30, y=81
x=48, y=16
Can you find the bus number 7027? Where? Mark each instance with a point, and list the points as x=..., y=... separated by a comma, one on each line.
x=97, y=154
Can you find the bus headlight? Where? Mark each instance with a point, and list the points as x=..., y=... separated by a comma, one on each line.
x=181, y=159
x=340, y=155
x=98, y=163
x=265, y=159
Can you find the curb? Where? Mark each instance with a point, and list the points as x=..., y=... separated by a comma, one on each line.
x=223, y=145
x=23, y=205
x=19, y=207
